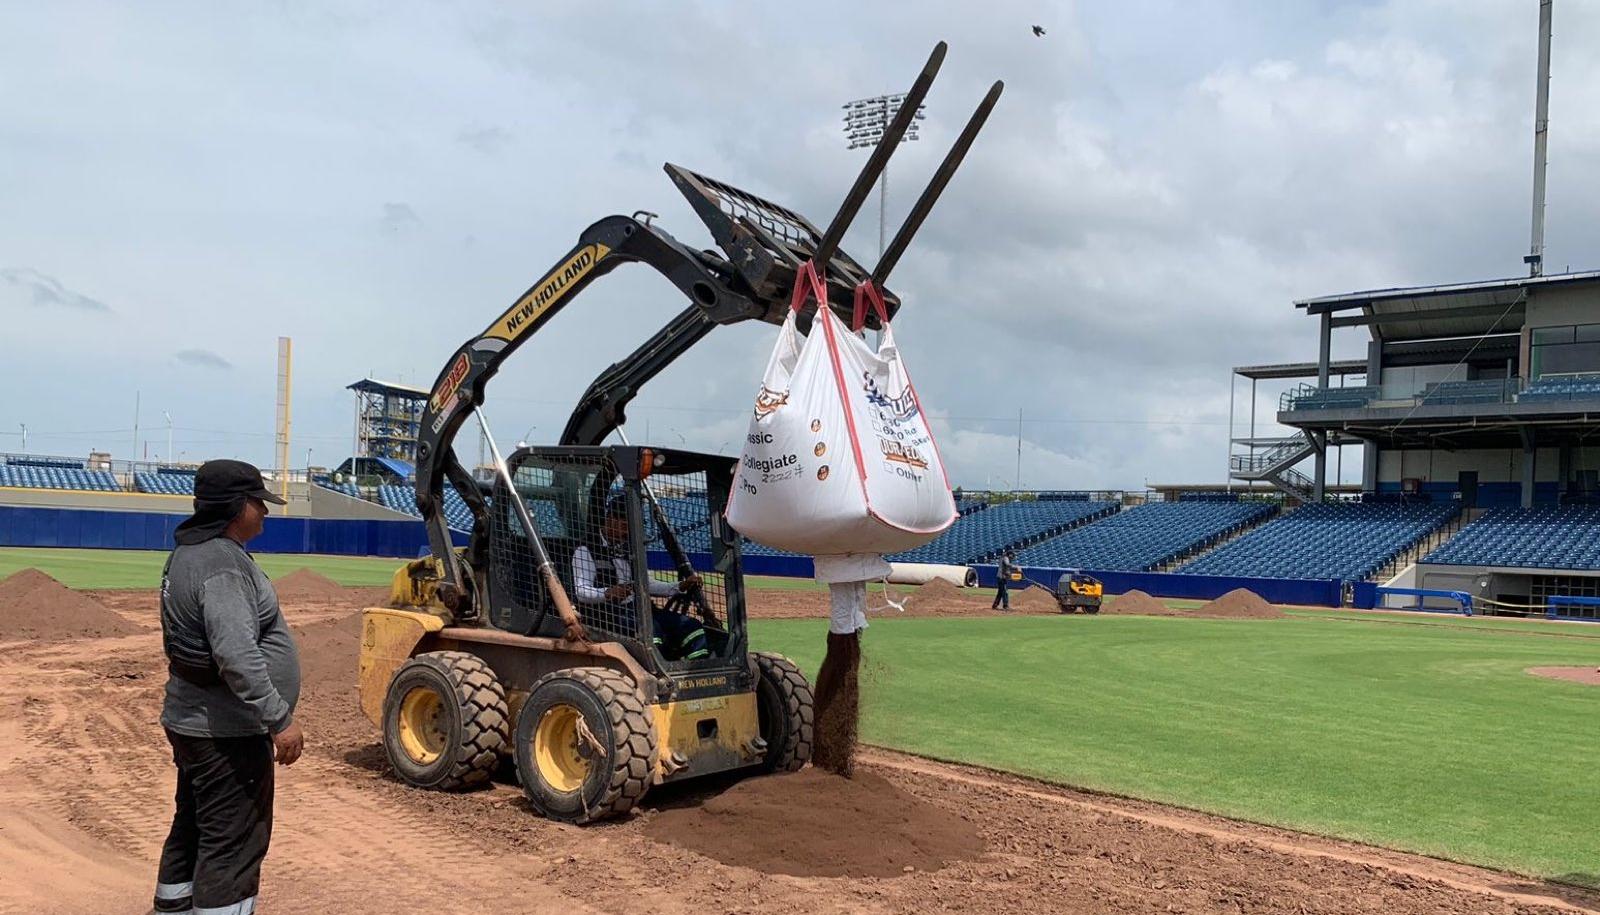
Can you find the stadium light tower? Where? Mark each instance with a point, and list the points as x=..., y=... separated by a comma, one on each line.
x=169, y=434
x=865, y=119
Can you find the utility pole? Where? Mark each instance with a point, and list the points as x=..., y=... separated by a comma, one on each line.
x=1017, y=481
x=24, y=437
x=865, y=120
x=1541, y=131
x=169, y=434
x=136, y=425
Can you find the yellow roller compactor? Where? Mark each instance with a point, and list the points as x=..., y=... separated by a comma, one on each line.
x=592, y=629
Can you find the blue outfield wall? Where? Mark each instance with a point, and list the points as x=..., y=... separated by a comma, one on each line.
x=1316, y=592
x=86, y=528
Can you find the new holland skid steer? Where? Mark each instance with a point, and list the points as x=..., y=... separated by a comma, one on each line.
x=524, y=644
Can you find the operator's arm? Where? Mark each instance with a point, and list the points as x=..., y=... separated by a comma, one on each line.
x=583, y=577
x=231, y=627
x=659, y=588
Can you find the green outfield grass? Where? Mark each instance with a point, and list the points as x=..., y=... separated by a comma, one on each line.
x=142, y=568
x=1412, y=733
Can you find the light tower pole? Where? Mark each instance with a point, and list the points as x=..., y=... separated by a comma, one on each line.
x=864, y=122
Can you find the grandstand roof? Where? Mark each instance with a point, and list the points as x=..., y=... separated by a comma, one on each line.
x=1451, y=310
x=1301, y=369
x=374, y=386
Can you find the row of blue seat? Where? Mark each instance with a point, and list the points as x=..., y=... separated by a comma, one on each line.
x=1145, y=537
x=1344, y=540
x=32, y=476
x=982, y=534
x=1543, y=537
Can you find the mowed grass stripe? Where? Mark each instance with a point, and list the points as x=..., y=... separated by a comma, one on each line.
x=108, y=569
x=1425, y=738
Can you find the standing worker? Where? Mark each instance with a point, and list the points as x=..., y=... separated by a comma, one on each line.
x=1002, y=594
x=233, y=680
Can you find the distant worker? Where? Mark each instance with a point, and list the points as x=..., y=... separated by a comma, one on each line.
x=607, y=578
x=233, y=681
x=1008, y=569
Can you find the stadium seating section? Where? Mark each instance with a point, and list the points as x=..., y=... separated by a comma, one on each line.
x=1332, y=540
x=346, y=488
x=983, y=534
x=168, y=484
x=1145, y=537
x=56, y=475
x=1568, y=387
x=403, y=498
x=1543, y=537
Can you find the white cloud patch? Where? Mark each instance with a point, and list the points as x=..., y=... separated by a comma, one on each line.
x=201, y=358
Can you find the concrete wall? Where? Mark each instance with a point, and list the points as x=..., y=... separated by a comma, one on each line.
x=325, y=503
x=1500, y=465
x=107, y=501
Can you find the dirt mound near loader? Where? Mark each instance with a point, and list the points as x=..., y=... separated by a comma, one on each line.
x=306, y=585
x=1137, y=602
x=1240, y=604
x=330, y=698
x=35, y=606
x=812, y=824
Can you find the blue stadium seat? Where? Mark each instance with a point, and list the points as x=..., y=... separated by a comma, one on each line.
x=53, y=474
x=1145, y=537
x=1563, y=387
x=1542, y=537
x=1331, y=540
x=983, y=534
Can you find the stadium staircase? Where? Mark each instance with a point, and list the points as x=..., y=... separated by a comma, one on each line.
x=1434, y=539
x=1276, y=465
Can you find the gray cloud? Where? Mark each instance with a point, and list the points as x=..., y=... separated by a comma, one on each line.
x=202, y=358
x=487, y=140
x=398, y=217
x=47, y=291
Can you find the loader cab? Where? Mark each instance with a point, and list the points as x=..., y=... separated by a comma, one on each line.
x=568, y=492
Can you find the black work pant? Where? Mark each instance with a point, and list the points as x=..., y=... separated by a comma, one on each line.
x=1002, y=596
x=212, y=860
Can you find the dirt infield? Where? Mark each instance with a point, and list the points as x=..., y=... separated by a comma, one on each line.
x=1139, y=603
x=86, y=783
x=35, y=606
x=1588, y=676
x=1240, y=604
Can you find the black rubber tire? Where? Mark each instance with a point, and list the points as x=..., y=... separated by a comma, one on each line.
x=616, y=714
x=475, y=723
x=784, y=707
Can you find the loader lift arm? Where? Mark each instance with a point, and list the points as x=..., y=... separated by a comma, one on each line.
x=766, y=246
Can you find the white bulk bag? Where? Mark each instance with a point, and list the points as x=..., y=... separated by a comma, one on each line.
x=838, y=457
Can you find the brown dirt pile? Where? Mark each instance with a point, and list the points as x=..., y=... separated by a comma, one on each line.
x=1034, y=599
x=35, y=606
x=1240, y=604
x=812, y=824
x=1137, y=602
x=837, y=701
x=306, y=585
x=330, y=698
x=1588, y=676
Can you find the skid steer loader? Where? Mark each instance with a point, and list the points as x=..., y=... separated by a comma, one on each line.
x=503, y=648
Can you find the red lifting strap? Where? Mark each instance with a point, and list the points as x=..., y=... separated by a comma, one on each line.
x=806, y=285
x=867, y=292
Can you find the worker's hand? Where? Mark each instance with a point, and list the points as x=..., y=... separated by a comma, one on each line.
x=288, y=743
x=619, y=592
x=690, y=583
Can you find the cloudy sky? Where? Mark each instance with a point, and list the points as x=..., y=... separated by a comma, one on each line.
x=180, y=184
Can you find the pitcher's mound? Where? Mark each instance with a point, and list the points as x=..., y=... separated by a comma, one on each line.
x=1240, y=604
x=306, y=585
x=35, y=606
x=1588, y=676
x=813, y=824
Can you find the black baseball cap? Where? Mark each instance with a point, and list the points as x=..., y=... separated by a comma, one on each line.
x=225, y=480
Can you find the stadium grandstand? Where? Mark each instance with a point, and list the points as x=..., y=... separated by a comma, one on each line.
x=1478, y=398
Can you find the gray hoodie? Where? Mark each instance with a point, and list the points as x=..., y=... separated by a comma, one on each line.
x=221, y=623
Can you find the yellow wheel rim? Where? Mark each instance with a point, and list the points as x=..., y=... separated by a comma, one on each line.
x=421, y=728
x=555, y=748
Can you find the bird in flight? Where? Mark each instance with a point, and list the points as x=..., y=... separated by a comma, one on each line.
x=1038, y=31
